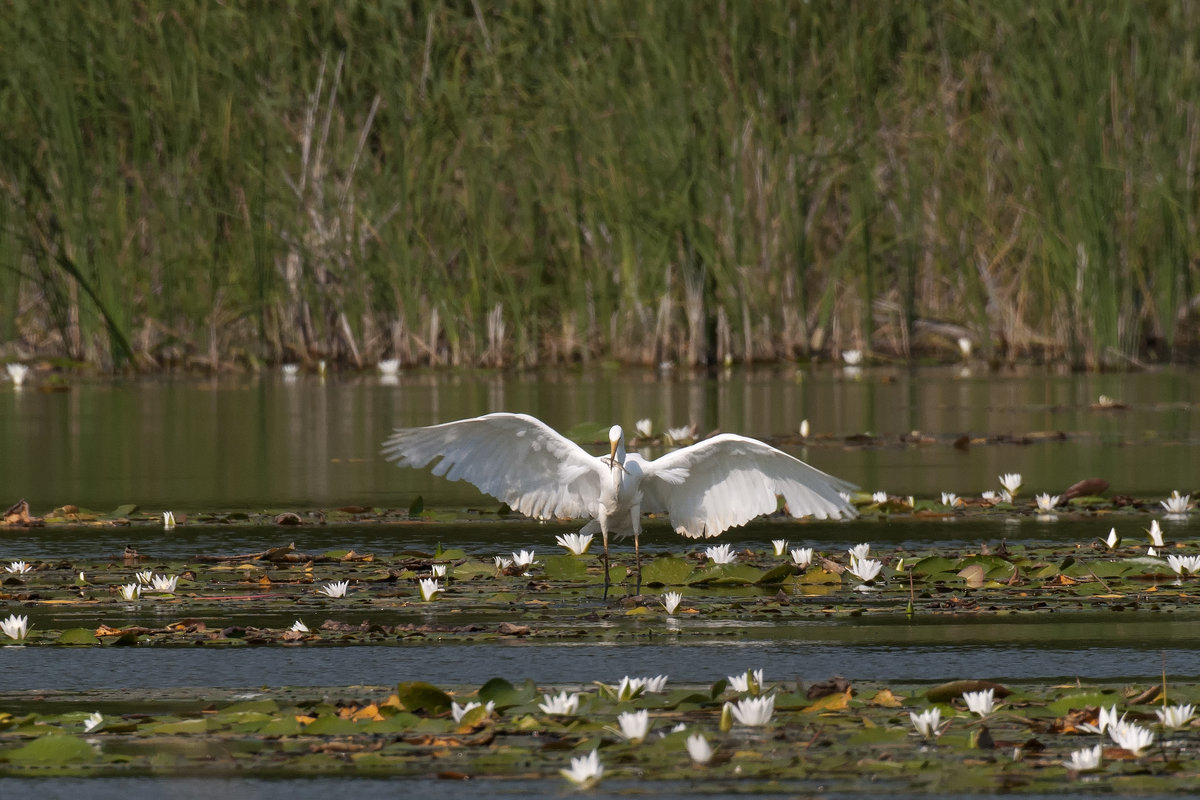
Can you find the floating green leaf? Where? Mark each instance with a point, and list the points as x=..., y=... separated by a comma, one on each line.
x=53, y=749
x=666, y=571
x=421, y=696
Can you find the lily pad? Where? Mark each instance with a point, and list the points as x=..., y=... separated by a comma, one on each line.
x=418, y=696
x=666, y=571
x=53, y=750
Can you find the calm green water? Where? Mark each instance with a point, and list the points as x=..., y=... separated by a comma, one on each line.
x=258, y=442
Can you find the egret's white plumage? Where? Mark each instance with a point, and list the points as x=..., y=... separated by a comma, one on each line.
x=704, y=489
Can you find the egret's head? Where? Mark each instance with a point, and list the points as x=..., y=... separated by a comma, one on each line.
x=616, y=441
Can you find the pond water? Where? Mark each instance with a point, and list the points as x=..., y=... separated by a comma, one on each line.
x=255, y=442
x=265, y=443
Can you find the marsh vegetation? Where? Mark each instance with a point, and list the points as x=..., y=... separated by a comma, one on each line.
x=529, y=184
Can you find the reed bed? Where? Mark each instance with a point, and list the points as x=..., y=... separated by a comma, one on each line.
x=530, y=183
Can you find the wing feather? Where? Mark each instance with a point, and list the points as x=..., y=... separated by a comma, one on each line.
x=515, y=458
x=728, y=480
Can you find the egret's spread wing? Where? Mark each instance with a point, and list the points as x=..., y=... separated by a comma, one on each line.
x=729, y=480
x=514, y=457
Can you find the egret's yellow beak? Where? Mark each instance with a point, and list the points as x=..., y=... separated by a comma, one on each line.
x=612, y=452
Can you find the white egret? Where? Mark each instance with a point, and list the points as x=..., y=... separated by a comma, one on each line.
x=713, y=485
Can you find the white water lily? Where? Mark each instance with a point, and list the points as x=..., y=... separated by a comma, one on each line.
x=749, y=681
x=1005, y=496
x=989, y=496
x=299, y=627
x=129, y=591
x=18, y=567
x=927, y=723
x=1113, y=540
x=630, y=688
x=523, y=559
x=859, y=551
x=585, y=770
x=458, y=712
x=1176, y=503
x=802, y=556
x=656, y=684
x=644, y=428
x=753, y=711
x=1156, y=534
x=849, y=498
x=389, y=366
x=562, y=703
x=437, y=570
x=1150, y=551
x=1046, y=502
x=290, y=370
x=576, y=543
x=503, y=563
x=165, y=583
x=1173, y=717
x=1130, y=736
x=1011, y=481
x=1085, y=760
x=17, y=372
x=15, y=627
x=804, y=429
x=144, y=577
x=950, y=499
x=1106, y=718
x=430, y=588
x=865, y=569
x=335, y=589
x=981, y=702
x=780, y=546
x=722, y=554
x=852, y=357
x=1182, y=564
x=168, y=520
x=964, y=346
x=699, y=749
x=671, y=600
x=634, y=725
x=94, y=720
x=879, y=497
x=684, y=434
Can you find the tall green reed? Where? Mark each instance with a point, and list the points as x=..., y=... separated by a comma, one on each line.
x=522, y=183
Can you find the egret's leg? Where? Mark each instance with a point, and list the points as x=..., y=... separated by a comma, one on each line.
x=635, y=515
x=637, y=561
x=604, y=538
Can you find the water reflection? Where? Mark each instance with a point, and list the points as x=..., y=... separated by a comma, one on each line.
x=263, y=442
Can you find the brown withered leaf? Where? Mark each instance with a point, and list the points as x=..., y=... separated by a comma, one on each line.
x=831, y=702
x=288, y=518
x=18, y=514
x=836, y=684
x=1088, y=487
x=886, y=698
